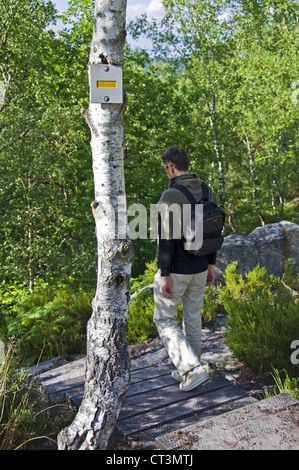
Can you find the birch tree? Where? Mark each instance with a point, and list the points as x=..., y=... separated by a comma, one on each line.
x=107, y=363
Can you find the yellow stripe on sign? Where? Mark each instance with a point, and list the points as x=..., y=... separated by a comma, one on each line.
x=106, y=84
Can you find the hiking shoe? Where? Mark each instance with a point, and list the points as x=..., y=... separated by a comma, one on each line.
x=194, y=377
x=176, y=376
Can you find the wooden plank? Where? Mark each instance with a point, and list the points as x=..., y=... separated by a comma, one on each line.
x=141, y=381
x=157, y=415
x=150, y=372
x=145, y=439
x=64, y=377
x=151, y=400
x=150, y=359
x=270, y=424
x=64, y=369
x=70, y=380
x=73, y=374
x=75, y=395
x=64, y=382
x=150, y=384
x=43, y=367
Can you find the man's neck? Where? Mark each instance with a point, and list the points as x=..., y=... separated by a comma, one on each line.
x=179, y=173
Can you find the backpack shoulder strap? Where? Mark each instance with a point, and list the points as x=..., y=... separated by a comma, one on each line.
x=205, y=192
x=186, y=191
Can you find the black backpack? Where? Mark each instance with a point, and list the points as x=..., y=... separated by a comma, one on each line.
x=213, y=221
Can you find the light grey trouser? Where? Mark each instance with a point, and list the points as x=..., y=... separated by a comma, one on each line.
x=183, y=345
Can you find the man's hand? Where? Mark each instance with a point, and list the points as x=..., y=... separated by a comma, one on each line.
x=166, y=287
x=211, y=275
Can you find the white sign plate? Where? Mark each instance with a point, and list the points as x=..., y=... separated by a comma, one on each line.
x=106, y=83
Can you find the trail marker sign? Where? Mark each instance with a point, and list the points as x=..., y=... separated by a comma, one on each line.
x=106, y=83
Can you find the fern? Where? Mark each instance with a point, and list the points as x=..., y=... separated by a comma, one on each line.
x=51, y=323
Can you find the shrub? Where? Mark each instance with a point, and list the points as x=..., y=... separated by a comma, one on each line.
x=50, y=323
x=140, y=317
x=145, y=279
x=26, y=417
x=263, y=319
x=210, y=305
x=141, y=308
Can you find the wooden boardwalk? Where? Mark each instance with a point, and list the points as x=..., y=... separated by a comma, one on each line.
x=154, y=404
x=270, y=424
x=158, y=415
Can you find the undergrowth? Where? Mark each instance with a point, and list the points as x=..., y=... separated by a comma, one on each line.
x=263, y=319
x=284, y=384
x=262, y=324
x=52, y=321
x=27, y=419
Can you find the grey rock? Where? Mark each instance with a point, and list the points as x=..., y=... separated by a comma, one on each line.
x=269, y=246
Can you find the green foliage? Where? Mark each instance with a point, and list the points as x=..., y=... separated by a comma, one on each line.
x=263, y=319
x=212, y=81
x=14, y=402
x=145, y=279
x=290, y=276
x=26, y=417
x=43, y=143
x=49, y=323
x=218, y=81
x=140, y=317
x=210, y=305
x=288, y=385
x=237, y=64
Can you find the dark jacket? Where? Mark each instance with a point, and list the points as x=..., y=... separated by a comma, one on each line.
x=171, y=256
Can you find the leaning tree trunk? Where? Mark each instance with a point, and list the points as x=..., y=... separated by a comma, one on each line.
x=107, y=363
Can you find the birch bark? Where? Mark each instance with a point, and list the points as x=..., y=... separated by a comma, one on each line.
x=107, y=363
x=253, y=179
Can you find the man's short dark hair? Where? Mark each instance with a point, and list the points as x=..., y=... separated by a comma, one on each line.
x=177, y=157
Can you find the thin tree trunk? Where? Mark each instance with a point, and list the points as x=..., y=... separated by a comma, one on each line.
x=107, y=368
x=211, y=105
x=253, y=179
x=276, y=188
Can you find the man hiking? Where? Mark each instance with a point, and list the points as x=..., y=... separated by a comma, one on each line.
x=181, y=276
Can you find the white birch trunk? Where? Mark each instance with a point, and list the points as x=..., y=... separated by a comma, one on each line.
x=107, y=369
x=253, y=179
